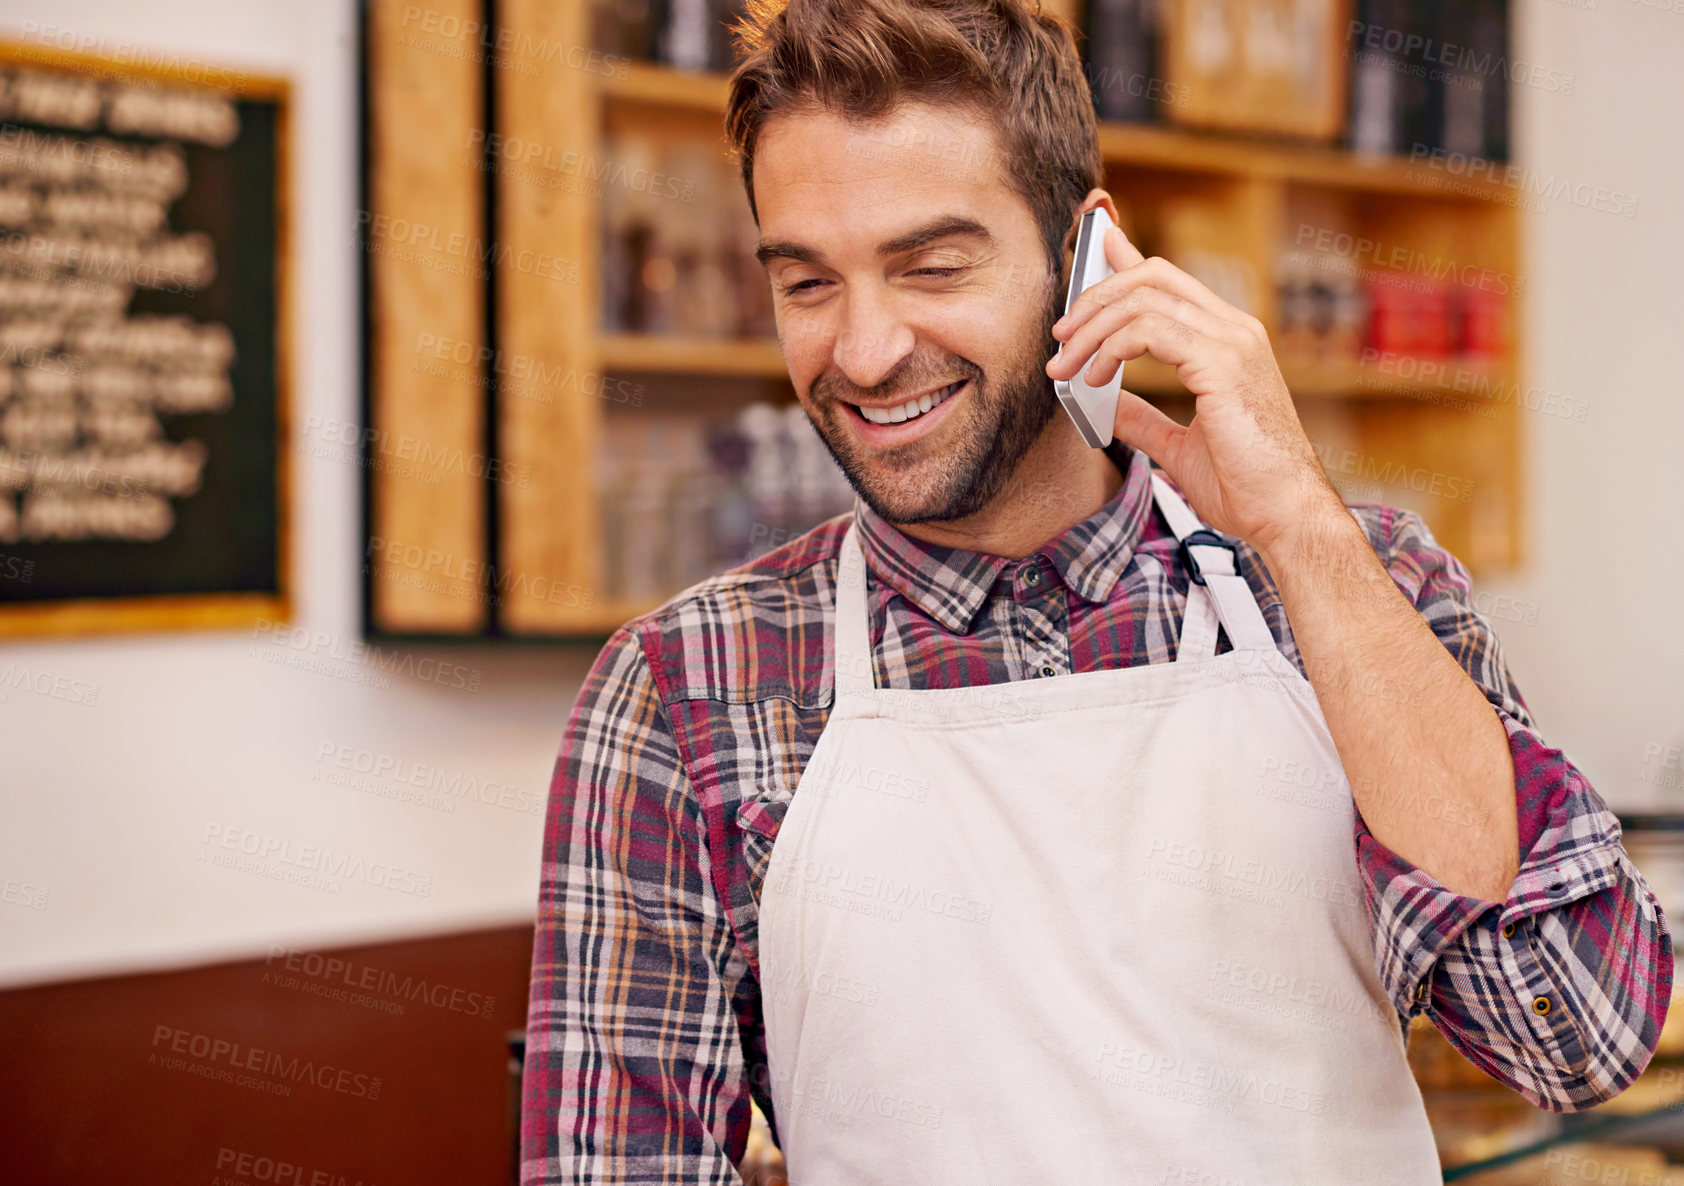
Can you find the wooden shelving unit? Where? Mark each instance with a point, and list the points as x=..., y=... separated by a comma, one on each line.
x=693, y=356
x=548, y=526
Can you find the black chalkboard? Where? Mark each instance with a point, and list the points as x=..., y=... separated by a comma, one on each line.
x=142, y=395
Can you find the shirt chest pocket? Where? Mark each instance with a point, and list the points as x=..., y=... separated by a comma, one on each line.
x=759, y=817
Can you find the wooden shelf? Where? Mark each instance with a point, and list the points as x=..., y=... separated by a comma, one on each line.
x=666, y=354
x=662, y=86
x=1232, y=198
x=1318, y=379
x=1151, y=146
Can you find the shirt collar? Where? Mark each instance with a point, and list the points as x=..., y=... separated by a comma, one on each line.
x=951, y=584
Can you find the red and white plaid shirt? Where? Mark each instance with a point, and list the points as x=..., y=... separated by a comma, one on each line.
x=683, y=751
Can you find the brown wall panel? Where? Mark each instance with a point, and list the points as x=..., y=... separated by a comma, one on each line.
x=95, y=1091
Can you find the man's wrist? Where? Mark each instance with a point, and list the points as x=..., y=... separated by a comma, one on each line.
x=1320, y=537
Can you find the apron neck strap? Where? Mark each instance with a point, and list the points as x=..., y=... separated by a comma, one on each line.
x=851, y=646
x=1214, y=566
x=1211, y=560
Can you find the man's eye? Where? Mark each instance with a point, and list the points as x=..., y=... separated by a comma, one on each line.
x=799, y=286
x=937, y=271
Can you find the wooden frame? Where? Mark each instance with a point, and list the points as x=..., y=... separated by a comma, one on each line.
x=1231, y=99
x=551, y=529
x=101, y=615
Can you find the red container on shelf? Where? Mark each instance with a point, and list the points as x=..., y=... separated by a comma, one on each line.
x=1484, y=323
x=1408, y=315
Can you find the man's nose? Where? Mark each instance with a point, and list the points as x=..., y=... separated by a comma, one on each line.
x=872, y=340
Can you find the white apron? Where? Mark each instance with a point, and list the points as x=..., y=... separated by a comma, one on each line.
x=1093, y=928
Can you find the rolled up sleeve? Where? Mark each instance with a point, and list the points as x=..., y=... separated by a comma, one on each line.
x=1561, y=989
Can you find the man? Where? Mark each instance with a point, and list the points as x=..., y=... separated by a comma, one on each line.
x=994, y=833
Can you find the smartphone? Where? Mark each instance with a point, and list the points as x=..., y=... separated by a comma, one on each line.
x=1094, y=409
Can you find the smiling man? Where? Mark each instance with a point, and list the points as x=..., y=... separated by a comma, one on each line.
x=1054, y=816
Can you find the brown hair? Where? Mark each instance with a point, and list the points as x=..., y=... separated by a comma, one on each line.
x=1014, y=65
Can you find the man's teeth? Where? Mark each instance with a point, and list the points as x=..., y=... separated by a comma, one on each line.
x=912, y=408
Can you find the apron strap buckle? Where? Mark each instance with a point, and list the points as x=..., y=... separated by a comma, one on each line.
x=1202, y=553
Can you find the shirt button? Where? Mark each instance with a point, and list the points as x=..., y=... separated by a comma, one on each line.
x=1540, y=1005
x=1047, y=669
x=1031, y=576
x=1508, y=930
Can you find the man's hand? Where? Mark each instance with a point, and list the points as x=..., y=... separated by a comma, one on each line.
x=1247, y=468
x=1244, y=462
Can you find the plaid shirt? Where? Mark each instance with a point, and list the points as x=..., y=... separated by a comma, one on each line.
x=645, y=1039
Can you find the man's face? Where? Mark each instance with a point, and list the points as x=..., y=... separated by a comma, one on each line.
x=904, y=271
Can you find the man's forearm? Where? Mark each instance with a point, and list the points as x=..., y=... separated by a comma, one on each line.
x=1411, y=727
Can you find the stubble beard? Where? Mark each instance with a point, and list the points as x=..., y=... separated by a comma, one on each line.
x=1004, y=414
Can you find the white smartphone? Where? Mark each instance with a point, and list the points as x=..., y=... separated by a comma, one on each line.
x=1094, y=409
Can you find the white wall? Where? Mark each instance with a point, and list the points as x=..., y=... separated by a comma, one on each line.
x=107, y=807
x=1604, y=667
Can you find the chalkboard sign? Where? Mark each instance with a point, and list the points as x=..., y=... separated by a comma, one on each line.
x=143, y=471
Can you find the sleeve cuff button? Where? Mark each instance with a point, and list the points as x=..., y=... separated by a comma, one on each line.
x=1540, y=1005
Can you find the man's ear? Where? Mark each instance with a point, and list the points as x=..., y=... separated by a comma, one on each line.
x=1095, y=197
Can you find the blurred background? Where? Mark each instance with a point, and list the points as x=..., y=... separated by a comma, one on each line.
x=362, y=367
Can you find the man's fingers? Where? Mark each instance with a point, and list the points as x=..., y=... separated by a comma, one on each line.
x=1154, y=273
x=1183, y=319
x=1146, y=428
x=1119, y=252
